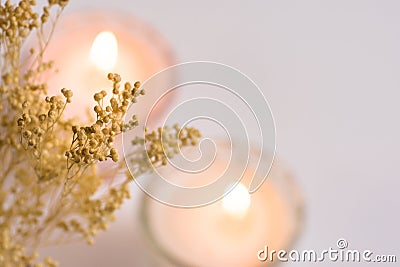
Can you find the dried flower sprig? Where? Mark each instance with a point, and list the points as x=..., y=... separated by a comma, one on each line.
x=160, y=144
x=51, y=188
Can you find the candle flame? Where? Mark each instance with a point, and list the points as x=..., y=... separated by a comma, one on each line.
x=237, y=202
x=104, y=51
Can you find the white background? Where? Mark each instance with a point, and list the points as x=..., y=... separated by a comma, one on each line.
x=330, y=71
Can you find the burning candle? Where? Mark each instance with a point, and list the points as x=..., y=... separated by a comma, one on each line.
x=87, y=46
x=229, y=232
x=237, y=202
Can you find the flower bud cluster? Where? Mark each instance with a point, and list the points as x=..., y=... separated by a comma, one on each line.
x=96, y=142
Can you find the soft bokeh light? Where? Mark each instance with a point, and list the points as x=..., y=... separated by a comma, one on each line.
x=237, y=202
x=104, y=51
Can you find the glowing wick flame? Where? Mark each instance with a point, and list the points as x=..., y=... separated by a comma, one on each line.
x=104, y=51
x=237, y=202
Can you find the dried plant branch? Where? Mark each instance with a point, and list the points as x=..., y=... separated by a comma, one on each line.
x=50, y=188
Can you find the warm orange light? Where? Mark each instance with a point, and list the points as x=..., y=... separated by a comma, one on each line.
x=104, y=51
x=237, y=202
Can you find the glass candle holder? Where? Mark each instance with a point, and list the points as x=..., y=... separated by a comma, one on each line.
x=228, y=232
x=87, y=45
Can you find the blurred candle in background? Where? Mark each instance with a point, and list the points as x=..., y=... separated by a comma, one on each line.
x=86, y=46
x=228, y=232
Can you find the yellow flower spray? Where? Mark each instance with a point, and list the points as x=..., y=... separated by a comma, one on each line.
x=49, y=184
